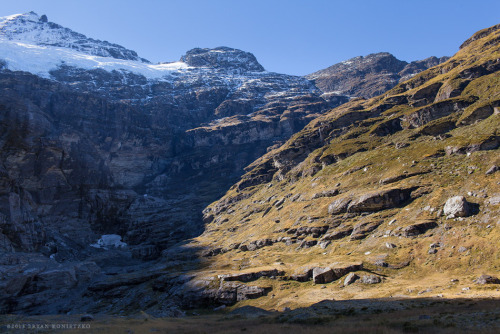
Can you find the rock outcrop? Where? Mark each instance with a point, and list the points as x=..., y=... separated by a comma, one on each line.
x=369, y=76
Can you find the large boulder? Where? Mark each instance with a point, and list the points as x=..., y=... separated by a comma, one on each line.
x=380, y=200
x=457, y=206
x=323, y=275
x=487, y=279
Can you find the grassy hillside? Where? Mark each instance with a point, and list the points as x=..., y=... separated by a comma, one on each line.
x=365, y=184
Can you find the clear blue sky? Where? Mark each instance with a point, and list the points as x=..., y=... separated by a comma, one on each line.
x=286, y=36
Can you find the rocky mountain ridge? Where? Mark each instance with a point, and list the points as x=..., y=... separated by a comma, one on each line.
x=370, y=75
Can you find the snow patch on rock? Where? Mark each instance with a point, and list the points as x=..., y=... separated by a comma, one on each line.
x=109, y=240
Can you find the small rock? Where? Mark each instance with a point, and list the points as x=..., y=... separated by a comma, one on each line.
x=466, y=289
x=220, y=308
x=432, y=251
x=454, y=280
x=389, y=245
x=381, y=263
x=401, y=145
x=86, y=318
x=462, y=249
x=371, y=279
x=424, y=291
x=492, y=170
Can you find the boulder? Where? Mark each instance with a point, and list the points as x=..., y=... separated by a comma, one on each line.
x=371, y=279
x=380, y=200
x=303, y=275
x=381, y=263
x=457, y=206
x=307, y=243
x=418, y=228
x=252, y=276
x=326, y=193
x=487, y=279
x=341, y=270
x=230, y=293
x=492, y=170
x=339, y=206
x=361, y=230
x=322, y=275
x=338, y=233
x=329, y=274
x=250, y=292
x=351, y=278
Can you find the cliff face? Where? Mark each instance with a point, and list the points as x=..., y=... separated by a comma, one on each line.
x=107, y=162
x=98, y=144
x=400, y=192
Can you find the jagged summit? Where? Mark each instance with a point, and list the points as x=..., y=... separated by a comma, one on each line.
x=373, y=62
x=224, y=58
x=370, y=75
x=31, y=28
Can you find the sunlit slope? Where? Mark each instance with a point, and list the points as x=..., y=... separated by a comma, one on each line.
x=363, y=187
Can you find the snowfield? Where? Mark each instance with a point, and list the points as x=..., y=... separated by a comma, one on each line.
x=40, y=60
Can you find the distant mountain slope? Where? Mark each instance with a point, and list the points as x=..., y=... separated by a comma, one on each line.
x=368, y=76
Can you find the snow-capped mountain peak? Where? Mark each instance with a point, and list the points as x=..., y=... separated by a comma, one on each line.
x=224, y=58
x=30, y=28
